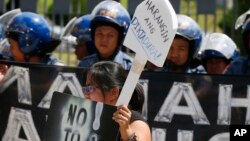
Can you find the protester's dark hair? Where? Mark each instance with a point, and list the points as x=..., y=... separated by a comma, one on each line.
x=107, y=75
x=137, y=99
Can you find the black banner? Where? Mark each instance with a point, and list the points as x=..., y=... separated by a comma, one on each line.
x=196, y=107
x=179, y=107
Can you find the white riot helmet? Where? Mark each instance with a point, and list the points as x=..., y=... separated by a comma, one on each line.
x=219, y=45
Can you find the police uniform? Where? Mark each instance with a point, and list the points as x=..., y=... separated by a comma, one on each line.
x=121, y=58
x=239, y=66
x=51, y=60
x=197, y=70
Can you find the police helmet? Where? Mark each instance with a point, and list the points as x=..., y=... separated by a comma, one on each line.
x=190, y=30
x=111, y=13
x=243, y=22
x=81, y=29
x=219, y=45
x=30, y=30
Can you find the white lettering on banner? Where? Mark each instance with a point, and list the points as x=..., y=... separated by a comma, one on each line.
x=159, y=134
x=21, y=75
x=224, y=110
x=19, y=119
x=226, y=102
x=185, y=135
x=158, y=18
x=171, y=107
x=144, y=40
x=62, y=81
x=225, y=136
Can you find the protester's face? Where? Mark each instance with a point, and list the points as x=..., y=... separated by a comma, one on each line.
x=81, y=50
x=216, y=65
x=106, y=39
x=99, y=95
x=179, y=52
x=15, y=51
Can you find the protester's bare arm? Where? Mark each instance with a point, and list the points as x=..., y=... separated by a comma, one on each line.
x=141, y=130
x=138, y=129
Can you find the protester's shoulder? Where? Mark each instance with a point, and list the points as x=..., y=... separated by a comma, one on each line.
x=140, y=122
x=88, y=60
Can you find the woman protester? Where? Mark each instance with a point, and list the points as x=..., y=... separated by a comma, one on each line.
x=104, y=83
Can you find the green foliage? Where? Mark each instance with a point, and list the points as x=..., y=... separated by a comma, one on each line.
x=44, y=6
x=229, y=22
x=76, y=5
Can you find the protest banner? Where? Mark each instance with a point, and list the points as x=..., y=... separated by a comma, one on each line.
x=193, y=107
x=150, y=35
x=25, y=97
x=73, y=118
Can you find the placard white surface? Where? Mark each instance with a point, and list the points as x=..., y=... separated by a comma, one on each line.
x=150, y=35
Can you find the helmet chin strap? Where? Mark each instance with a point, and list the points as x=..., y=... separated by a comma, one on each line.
x=35, y=56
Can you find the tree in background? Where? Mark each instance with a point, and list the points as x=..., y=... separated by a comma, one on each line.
x=231, y=17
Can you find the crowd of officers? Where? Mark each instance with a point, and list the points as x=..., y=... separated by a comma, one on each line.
x=98, y=36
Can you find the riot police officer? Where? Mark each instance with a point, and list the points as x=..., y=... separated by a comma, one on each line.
x=108, y=29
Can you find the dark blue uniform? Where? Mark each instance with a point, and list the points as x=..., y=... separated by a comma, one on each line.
x=121, y=58
x=51, y=60
x=239, y=66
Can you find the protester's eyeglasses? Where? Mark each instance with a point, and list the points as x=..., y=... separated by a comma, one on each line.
x=88, y=89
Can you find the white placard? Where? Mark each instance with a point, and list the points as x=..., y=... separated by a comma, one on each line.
x=150, y=35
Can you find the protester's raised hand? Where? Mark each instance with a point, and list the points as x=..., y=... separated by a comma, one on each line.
x=122, y=116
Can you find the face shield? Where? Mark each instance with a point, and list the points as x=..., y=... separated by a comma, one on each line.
x=6, y=17
x=5, y=49
x=219, y=45
x=241, y=20
x=66, y=36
